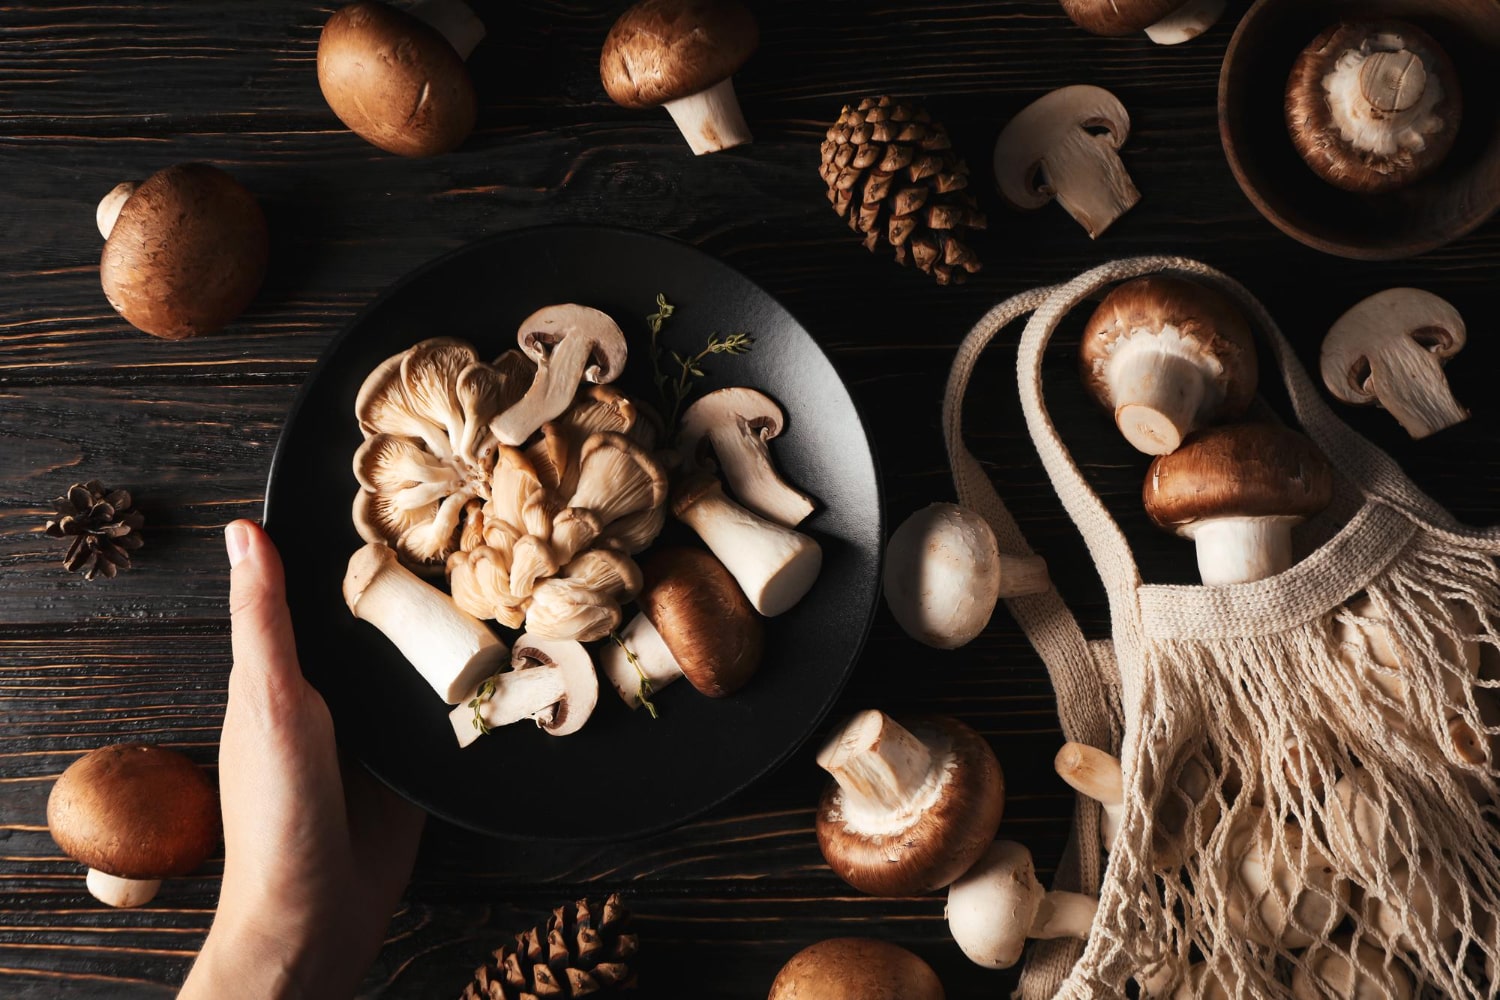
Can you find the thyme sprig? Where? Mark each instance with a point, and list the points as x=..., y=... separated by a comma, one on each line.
x=675, y=386
x=644, y=689
x=485, y=693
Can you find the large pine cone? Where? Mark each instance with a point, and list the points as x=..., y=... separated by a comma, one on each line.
x=584, y=950
x=104, y=526
x=891, y=171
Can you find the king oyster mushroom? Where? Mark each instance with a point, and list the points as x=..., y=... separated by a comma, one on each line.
x=569, y=343
x=551, y=682
x=737, y=425
x=1373, y=105
x=1165, y=22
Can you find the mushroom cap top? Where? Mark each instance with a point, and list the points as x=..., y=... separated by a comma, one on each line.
x=855, y=969
x=991, y=909
x=548, y=326
x=933, y=845
x=187, y=253
x=1118, y=17
x=394, y=80
x=942, y=574
x=1046, y=124
x=1202, y=317
x=703, y=617
x=580, y=684
x=1238, y=470
x=135, y=811
x=661, y=50
x=1342, y=135
x=1387, y=325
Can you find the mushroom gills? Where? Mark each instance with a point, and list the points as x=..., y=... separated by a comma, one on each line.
x=1186, y=22
x=710, y=120
x=108, y=212
x=111, y=890
x=657, y=666
x=1241, y=549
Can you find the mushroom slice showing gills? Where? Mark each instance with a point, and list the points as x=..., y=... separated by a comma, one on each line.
x=551, y=682
x=999, y=903
x=1066, y=145
x=738, y=425
x=569, y=343
x=1389, y=350
x=1165, y=22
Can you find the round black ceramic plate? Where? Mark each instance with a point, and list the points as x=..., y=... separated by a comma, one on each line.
x=623, y=774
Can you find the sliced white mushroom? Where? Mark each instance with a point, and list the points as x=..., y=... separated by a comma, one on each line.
x=999, y=903
x=1186, y=22
x=738, y=425
x=774, y=565
x=570, y=344
x=1066, y=145
x=449, y=647
x=1389, y=350
x=551, y=682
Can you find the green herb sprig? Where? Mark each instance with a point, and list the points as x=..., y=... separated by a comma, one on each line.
x=675, y=386
x=644, y=689
x=485, y=693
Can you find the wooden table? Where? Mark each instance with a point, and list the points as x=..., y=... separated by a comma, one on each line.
x=91, y=94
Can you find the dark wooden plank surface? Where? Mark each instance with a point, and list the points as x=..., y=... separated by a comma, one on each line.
x=92, y=93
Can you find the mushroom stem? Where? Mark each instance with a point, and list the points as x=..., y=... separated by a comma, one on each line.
x=112, y=890
x=1186, y=22
x=881, y=767
x=775, y=566
x=656, y=664
x=524, y=693
x=1410, y=384
x=1089, y=181
x=552, y=390
x=1242, y=549
x=111, y=204
x=1158, y=390
x=1064, y=914
x=1092, y=772
x=450, y=648
x=1021, y=576
x=454, y=20
x=710, y=120
x=1392, y=81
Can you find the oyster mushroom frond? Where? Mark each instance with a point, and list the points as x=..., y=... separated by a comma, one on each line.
x=634, y=533
x=616, y=478
x=422, y=536
x=429, y=376
x=532, y=559
x=389, y=464
x=479, y=580
x=549, y=457
x=568, y=609
x=382, y=406
x=599, y=408
x=605, y=572
x=573, y=530
x=512, y=482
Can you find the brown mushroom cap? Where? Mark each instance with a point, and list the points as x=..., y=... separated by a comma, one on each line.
x=703, y=618
x=855, y=969
x=1238, y=470
x=394, y=80
x=1118, y=17
x=940, y=842
x=1310, y=116
x=135, y=811
x=187, y=253
x=662, y=50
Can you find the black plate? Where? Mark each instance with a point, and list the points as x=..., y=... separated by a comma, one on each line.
x=623, y=774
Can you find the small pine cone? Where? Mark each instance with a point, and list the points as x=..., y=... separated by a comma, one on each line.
x=105, y=529
x=584, y=950
x=892, y=173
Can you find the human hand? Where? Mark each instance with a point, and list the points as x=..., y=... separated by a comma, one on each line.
x=316, y=852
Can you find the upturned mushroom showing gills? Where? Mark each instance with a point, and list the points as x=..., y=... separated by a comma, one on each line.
x=1066, y=145
x=397, y=78
x=1389, y=350
x=1373, y=105
x=1237, y=491
x=1166, y=356
x=184, y=250
x=999, y=903
x=944, y=574
x=910, y=807
x=1165, y=22
x=694, y=622
x=450, y=648
x=855, y=969
x=551, y=682
x=736, y=426
x=134, y=814
x=774, y=565
x=570, y=344
x=683, y=54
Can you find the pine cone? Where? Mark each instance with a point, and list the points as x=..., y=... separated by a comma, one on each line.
x=105, y=529
x=891, y=171
x=583, y=950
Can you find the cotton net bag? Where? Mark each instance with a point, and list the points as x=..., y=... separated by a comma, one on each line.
x=1310, y=778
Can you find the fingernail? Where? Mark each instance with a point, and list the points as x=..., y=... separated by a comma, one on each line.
x=236, y=541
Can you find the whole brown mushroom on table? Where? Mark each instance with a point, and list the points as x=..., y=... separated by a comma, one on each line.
x=1165, y=22
x=185, y=250
x=855, y=969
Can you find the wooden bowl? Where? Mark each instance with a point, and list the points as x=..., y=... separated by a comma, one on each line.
x=1451, y=202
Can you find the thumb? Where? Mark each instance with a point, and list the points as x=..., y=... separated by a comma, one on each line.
x=265, y=676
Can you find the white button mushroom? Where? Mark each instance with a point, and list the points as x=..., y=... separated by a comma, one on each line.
x=1283, y=893
x=1051, y=149
x=944, y=573
x=1366, y=836
x=1333, y=970
x=550, y=682
x=1389, y=350
x=569, y=343
x=1165, y=22
x=738, y=425
x=999, y=903
x=449, y=647
x=1418, y=907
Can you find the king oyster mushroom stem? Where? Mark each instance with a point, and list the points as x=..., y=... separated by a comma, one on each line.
x=551, y=682
x=1092, y=772
x=774, y=565
x=1165, y=22
x=1389, y=350
x=738, y=424
x=449, y=647
x=570, y=344
x=1047, y=150
x=999, y=903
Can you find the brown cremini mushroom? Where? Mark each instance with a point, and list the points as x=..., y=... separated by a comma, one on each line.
x=683, y=54
x=910, y=807
x=134, y=814
x=855, y=969
x=1165, y=22
x=694, y=623
x=570, y=344
x=999, y=903
x=736, y=425
x=1237, y=491
x=185, y=250
x=1373, y=105
x=1166, y=356
x=397, y=78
